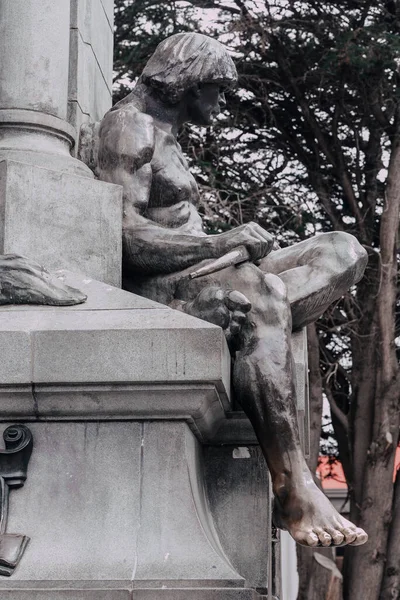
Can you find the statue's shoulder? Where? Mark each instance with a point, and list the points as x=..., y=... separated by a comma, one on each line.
x=126, y=134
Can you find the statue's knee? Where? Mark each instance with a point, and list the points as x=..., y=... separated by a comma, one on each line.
x=252, y=278
x=341, y=252
x=276, y=288
x=266, y=292
x=273, y=301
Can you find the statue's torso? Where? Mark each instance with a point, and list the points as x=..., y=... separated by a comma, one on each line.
x=174, y=194
x=129, y=136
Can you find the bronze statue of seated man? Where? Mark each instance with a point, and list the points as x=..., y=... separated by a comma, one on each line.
x=259, y=302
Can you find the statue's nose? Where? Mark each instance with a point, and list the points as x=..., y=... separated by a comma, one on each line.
x=222, y=99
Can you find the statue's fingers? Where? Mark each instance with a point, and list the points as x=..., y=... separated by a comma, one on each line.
x=220, y=315
x=263, y=236
x=239, y=317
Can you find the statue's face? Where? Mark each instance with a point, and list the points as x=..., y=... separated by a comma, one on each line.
x=205, y=103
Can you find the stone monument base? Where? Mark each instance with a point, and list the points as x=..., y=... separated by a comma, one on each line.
x=143, y=483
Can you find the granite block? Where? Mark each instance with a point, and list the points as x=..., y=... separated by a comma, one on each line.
x=177, y=541
x=74, y=356
x=80, y=503
x=237, y=483
x=81, y=218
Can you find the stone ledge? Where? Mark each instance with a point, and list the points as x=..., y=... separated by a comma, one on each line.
x=124, y=340
x=116, y=357
x=146, y=594
x=201, y=405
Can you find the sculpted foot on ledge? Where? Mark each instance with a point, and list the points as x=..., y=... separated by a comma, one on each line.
x=306, y=513
x=23, y=281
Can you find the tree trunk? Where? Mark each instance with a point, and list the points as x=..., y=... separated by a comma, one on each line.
x=376, y=509
x=325, y=579
x=391, y=579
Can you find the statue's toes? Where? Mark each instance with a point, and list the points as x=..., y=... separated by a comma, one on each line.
x=236, y=301
x=62, y=295
x=237, y=320
x=361, y=538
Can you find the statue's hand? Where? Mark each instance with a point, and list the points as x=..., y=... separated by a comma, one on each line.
x=256, y=240
x=227, y=308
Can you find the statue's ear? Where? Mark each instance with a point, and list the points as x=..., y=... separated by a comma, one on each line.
x=195, y=90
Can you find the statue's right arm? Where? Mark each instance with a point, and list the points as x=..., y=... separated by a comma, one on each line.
x=125, y=152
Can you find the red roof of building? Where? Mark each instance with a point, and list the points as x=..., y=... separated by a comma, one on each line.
x=330, y=471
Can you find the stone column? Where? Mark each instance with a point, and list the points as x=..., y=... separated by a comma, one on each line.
x=51, y=208
x=34, y=50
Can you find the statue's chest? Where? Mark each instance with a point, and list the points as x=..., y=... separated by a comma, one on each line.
x=172, y=182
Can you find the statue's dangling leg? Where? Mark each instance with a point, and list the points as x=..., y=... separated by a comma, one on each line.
x=264, y=385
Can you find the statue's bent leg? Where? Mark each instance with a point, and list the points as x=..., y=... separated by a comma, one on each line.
x=264, y=385
x=317, y=272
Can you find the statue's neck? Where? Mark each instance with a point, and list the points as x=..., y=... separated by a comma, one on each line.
x=169, y=117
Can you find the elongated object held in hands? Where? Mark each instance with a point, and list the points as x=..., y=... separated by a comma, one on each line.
x=235, y=257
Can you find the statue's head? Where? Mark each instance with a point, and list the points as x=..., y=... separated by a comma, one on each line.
x=192, y=66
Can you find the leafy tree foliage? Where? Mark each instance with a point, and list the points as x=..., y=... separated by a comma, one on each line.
x=309, y=142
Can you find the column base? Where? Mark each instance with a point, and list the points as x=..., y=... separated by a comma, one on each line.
x=40, y=140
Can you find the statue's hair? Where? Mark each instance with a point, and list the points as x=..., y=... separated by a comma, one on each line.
x=185, y=59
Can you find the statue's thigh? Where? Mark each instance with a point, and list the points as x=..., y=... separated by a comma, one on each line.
x=246, y=278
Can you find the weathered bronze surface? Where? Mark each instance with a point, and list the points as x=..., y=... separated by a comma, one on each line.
x=13, y=472
x=23, y=281
x=260, y=301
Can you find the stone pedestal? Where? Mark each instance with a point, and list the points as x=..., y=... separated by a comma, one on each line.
x=143, y=483
x=47, y=196
x=61, y=220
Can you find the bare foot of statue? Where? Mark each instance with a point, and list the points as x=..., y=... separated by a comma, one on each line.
x=306, y=513
x=300, y=506
x=23, y=281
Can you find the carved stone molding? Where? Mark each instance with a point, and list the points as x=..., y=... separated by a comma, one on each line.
x=14, y=462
